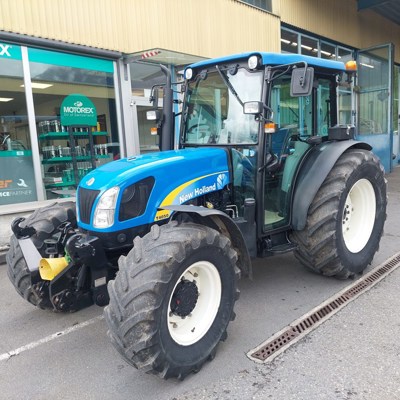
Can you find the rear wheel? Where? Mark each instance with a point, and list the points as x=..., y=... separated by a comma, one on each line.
x=346, y=218
x=173, y=299
x=45, y=220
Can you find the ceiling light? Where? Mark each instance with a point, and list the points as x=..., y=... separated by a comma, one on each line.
x=5, y=99
x=367, y=65
x=37, y=85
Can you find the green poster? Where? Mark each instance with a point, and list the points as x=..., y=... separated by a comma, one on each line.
x=77, y=109
x=17, y=180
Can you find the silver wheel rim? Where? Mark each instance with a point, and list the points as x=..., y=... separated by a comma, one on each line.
x=191, y=328
x=359, y=215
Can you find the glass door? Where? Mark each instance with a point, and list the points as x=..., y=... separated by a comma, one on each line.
x=148, y=141
x=17, y=178
x=396, y=116
x=374, y=100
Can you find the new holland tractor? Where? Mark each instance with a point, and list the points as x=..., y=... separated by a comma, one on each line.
x=262, y=166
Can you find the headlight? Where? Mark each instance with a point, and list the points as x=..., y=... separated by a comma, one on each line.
x=134, y=199
x=105, y=210
x=252, y=62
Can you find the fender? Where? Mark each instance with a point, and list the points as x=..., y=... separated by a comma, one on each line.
x=225, y=225
x=313, y=171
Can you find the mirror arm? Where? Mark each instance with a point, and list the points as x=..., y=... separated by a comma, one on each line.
x=302, y=78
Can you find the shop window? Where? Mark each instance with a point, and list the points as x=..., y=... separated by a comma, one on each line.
x=54, y=76
x=309, y=46
x=144, y=77
x=373, y=93
x=289, y=41
x=293, y=42
x=17, y=182
x=328, y=51
x=263, y=4
x=344, y=54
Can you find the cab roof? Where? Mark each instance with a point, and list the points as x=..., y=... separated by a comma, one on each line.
x=274, y=59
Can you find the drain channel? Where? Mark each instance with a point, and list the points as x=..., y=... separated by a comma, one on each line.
x=301, y=327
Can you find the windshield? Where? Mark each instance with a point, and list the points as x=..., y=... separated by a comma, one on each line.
x=214, y=111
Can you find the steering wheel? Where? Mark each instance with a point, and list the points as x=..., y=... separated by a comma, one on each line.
x=203, y=130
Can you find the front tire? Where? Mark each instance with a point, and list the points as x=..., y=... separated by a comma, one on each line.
x=173, y=299
x=346, y=218
x=45, y=220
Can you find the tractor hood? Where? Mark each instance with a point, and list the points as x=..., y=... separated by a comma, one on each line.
x=172, y=177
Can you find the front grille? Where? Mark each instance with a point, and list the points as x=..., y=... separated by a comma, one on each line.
x=86, y=199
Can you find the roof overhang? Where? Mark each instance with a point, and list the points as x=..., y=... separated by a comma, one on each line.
x=389, y=9
x=162, y=56
x=275, y=59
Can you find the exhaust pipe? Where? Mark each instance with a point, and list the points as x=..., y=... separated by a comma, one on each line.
x=49, y=268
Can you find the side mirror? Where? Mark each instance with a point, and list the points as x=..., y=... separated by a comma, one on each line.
x=301, y=83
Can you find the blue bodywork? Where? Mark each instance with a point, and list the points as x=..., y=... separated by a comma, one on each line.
x=180, y=175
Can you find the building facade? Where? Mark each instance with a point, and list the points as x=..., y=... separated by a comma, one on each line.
x=109, y=52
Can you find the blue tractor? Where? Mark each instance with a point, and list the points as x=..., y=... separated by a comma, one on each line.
x=265, y=163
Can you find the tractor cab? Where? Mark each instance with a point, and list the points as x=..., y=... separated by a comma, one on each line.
x=268, y=110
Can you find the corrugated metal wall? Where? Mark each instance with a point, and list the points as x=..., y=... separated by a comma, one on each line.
x=341, y=21
x=207, y=27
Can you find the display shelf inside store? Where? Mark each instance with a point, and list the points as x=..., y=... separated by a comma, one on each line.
x=58, y=185
x=65, y=135
x=56, y=160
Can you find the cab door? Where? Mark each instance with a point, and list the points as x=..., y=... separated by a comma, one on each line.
x=297, y=119
x=373, y=94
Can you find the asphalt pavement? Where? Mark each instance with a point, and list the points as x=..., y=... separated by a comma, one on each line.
x=354, y=355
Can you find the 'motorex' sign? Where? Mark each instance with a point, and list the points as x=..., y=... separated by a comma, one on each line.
x=77, y=109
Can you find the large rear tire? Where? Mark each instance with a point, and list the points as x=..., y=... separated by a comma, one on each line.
x=346, y=218
x=173, y=299
x=45, y=220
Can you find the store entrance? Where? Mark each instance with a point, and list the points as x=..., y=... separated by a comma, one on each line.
x=145, y=74
x=148, y=142
x=374, y=100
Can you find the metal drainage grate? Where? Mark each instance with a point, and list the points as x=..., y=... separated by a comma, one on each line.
x=299, y=328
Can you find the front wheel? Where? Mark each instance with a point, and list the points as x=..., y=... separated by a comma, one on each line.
x=346, y=218
x=46, y=221
x=173, y=299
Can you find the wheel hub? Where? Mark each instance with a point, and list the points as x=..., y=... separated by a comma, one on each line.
x=348, y=209
x=184, y=298
x=359, y=215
